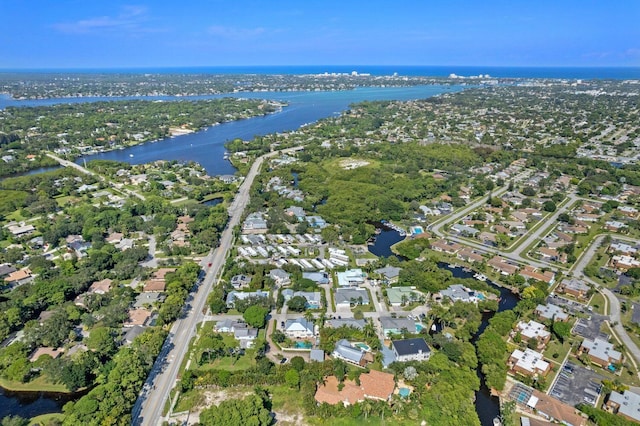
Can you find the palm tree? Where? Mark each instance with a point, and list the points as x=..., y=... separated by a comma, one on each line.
x=308, y=315
x=366, y=408
x=369, y=330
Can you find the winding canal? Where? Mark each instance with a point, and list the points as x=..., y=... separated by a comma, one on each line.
x=487, y=406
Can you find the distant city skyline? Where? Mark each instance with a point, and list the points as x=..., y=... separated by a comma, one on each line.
x=120, y=34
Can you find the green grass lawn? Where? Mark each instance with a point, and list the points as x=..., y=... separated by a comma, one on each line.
x=36, y=385
x=598, y=303
x=46, y=419
x=555, y=347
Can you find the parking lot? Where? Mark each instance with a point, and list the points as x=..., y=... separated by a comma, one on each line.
x=589, y=328
x=571, y=305
x=575, y=384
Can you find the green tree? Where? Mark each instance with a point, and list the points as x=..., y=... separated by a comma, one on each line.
x=255, y=316
x=292, y=377
x=297, y=304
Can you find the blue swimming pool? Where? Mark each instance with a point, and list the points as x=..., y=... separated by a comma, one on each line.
x=404, y=392
x=303, y=345
x=419, y=327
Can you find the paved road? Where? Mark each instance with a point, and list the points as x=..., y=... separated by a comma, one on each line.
x=614, y=302
x=86, y=171
x=150, y=404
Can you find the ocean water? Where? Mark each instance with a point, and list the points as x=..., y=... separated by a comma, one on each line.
x=605, y=73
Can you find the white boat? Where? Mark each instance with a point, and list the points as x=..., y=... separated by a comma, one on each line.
x=480, y=277
x=131, y=155
x=497, y=421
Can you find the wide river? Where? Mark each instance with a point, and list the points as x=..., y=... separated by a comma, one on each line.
x=207, y=148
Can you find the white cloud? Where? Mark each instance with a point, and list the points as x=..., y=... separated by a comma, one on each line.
x=130, y=20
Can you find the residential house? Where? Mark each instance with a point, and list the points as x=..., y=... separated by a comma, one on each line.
x=503, y=266
x=458, y=292
x=246, y=336
x=374, y=385
x=132, y=333
x=350, y=278
x=470, y=255
x=614, y=225
x=237, y=295
x=19, y=277
x=348, y=296
x=528, y=363
x=150, y=298
x=552, y=255
x=574, y=287
x=411, y=350
x=6, y=269
x=100, y=287
x=21, y=230
x=531, y=273
x=625, y=404
x=228, y=325
x=240, y=281
x=313, y=298
x=445, y=246
x=550, y=408
x=464, y=230
x=316, y=222
x=317, y=277
x=346, y=322
x=280, y=277
x=300, y=328
x=624, y=263
x=255, y=222
x=551, y=312
x=623, y=248
x=297, y=212
x=390, y=274
x=397, y=325
x=140, y=317
x=628, y=211
x=600, y=352
x=533, y=330
x=400, y=296
x=353, y=355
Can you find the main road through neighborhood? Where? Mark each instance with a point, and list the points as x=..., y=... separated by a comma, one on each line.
x=150, y=404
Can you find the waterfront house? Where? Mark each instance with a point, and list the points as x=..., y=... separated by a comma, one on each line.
x=390, y=274
x=373, y=385
x=411, y=350
x=445, y=246
x=533, y=330
x=528, y=363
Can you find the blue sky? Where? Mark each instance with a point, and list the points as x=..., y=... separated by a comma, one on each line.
x=160, y=33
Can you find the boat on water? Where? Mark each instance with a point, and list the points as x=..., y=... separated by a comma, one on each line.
x=465, y=269
x=453, y=265
x=497, y=421
x=131, y=155
x=480, y=277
